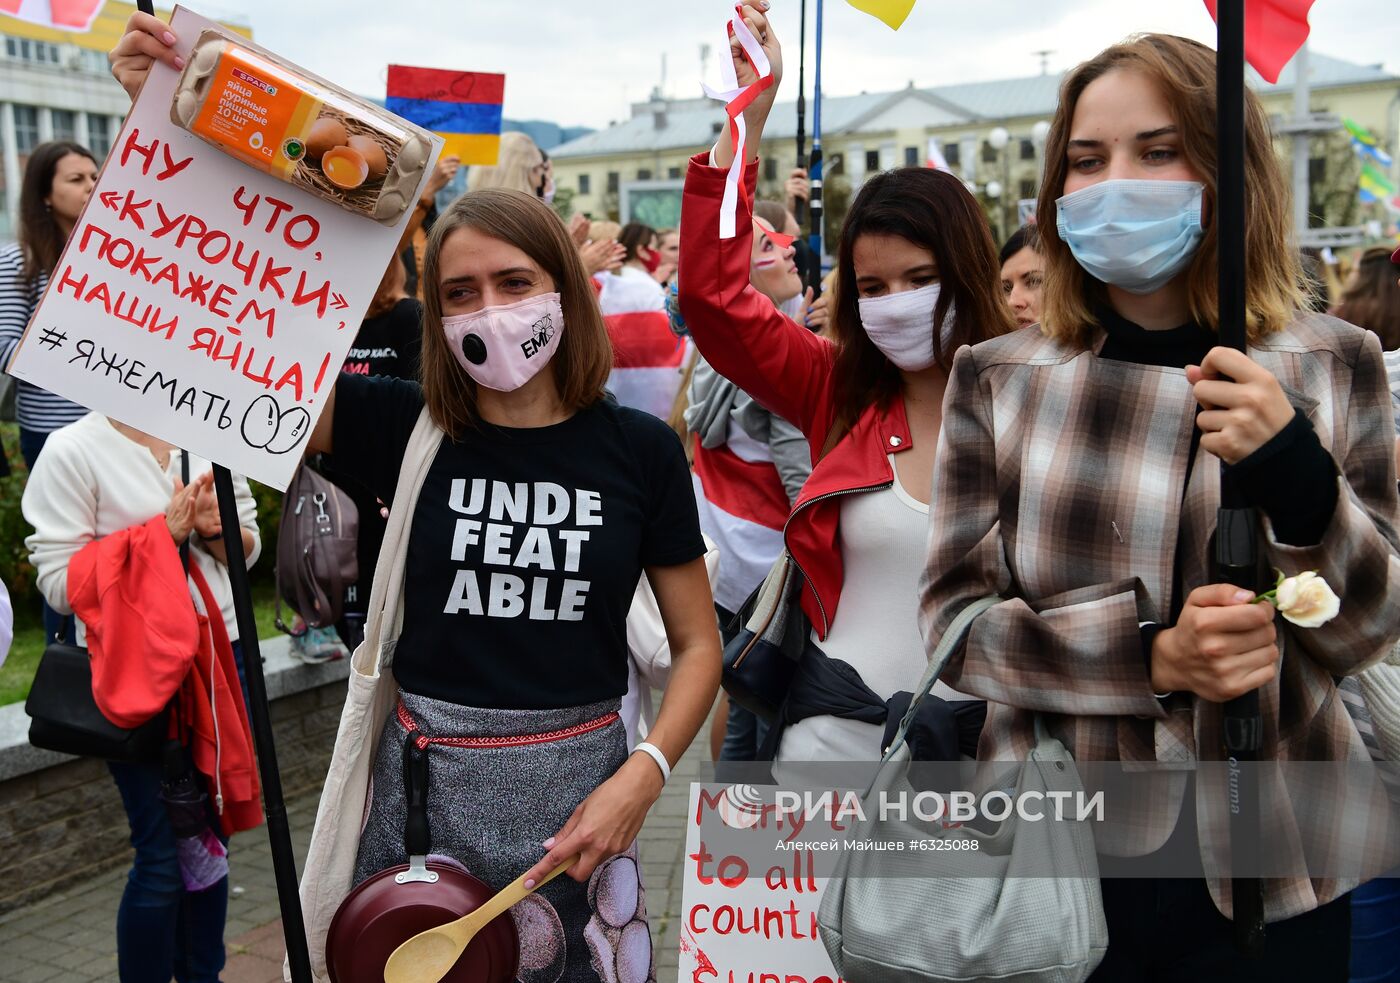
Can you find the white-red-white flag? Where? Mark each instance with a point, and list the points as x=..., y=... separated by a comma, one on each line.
x=64, y=15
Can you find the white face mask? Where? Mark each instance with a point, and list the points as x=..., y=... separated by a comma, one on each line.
x=901, y=325
x=504, y=347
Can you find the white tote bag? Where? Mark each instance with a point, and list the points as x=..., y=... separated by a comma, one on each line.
x=335, y=839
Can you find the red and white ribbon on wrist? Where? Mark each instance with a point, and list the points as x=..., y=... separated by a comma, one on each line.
x=736, y=100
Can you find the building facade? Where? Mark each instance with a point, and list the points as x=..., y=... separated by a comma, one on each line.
x=56, y=85
x=872, y=132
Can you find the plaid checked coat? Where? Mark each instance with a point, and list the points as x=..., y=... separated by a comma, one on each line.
x=1059, y=487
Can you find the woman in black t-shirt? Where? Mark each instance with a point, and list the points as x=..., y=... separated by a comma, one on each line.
x=541, y=510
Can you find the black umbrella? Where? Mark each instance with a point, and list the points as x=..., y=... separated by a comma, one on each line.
x=1236, y=531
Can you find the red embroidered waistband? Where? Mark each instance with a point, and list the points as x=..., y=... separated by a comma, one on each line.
x=499, y=741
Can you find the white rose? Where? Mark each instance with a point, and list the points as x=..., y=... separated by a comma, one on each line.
x=1306, y=600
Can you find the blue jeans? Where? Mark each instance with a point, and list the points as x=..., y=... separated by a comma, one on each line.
x=31, y=442
x=1375, y=931
x=162, y=929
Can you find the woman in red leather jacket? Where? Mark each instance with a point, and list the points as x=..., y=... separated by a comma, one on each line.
x=919, y=279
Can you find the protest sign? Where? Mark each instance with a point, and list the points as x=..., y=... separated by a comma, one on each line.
x=203, y=300
x=739, y=923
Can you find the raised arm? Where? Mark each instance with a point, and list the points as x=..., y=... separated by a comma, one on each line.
x=737, y=329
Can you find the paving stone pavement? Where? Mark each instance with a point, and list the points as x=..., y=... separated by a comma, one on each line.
x=69, y=936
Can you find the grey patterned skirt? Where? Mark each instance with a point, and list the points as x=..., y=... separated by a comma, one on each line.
x=502, y=782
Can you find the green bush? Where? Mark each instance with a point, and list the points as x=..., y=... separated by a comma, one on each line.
x=15, y=570
x=269, y=517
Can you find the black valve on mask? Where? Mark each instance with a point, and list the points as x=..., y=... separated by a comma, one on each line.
x=474, y=349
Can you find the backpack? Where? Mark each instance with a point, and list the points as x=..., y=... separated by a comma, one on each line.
x=317, y=550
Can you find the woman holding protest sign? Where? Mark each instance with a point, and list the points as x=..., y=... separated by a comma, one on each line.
x=535, y=520
x=537, y=513
x=1078, y=481
x=919, y=278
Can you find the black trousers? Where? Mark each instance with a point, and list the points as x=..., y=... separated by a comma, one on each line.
x=1169, y=931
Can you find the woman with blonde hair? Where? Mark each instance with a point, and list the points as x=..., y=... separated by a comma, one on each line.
x=520, y=166
x=1078, y=480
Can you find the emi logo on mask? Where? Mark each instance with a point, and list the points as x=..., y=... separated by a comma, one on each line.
x=544, y=330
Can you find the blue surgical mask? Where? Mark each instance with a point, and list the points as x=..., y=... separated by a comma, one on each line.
x=1136, y=235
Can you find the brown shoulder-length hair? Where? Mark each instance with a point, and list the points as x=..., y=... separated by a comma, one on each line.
x=40, y=239
x=584, y=358
x=934, y=210
x=1373, y=300
x=1184, y=72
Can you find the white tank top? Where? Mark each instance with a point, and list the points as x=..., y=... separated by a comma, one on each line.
x=884, y=539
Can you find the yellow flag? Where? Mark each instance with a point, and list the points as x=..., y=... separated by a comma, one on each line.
x=892, y=12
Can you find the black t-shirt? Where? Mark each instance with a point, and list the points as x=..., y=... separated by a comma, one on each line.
x=526, y=545
x=389, y=343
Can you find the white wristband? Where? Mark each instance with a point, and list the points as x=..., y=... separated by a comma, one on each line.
x=655, y=754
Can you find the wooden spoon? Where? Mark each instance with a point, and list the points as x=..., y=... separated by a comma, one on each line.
x=430, y=955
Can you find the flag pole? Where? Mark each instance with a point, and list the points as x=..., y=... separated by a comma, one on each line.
x=814, y=236
x=1236, y=533
x=284, y=864
x=798, y=208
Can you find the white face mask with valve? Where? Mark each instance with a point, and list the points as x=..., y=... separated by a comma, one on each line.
x=504, y=347
x=901, y=326
x=1136, y=235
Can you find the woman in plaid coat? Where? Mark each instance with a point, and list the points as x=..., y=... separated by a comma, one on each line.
x=1078, y=478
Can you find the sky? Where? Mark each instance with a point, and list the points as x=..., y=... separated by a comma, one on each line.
x=582, y=62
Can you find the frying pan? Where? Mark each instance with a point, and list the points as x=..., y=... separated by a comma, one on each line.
x=396, y=904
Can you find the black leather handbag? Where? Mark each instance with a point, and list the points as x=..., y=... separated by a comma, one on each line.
x=761, y=660
x=63, y=716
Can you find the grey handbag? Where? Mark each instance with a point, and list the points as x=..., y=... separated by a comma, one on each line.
x=1021, y=903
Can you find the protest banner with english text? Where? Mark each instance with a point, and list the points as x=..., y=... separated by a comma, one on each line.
x=750, y=916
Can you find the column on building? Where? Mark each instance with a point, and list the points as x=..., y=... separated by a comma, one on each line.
x=889, y=155
x=855, y=163
x=13, y=179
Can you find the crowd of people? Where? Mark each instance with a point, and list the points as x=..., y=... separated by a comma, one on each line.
x=946, y=421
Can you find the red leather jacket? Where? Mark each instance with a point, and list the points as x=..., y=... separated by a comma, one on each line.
x=787, y=369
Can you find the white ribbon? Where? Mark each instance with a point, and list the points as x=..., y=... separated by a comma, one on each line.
x=737, y=99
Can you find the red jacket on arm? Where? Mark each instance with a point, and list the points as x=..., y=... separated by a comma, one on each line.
x=786, y=368
x=147, y=642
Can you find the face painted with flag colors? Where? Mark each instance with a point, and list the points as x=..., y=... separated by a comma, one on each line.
x=772, y=269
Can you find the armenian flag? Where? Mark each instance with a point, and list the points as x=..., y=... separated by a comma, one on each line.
x=464, y=108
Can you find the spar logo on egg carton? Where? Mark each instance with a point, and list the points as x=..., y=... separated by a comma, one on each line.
x=252, y=80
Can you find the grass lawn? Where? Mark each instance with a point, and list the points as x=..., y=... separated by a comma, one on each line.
x=18, y=671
